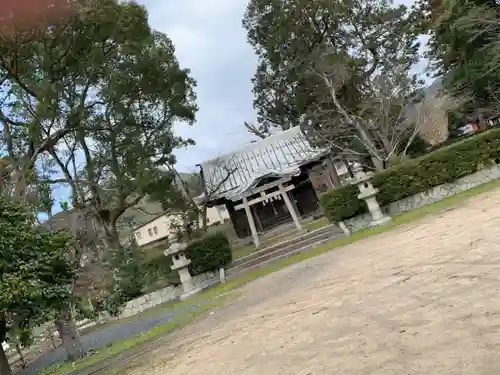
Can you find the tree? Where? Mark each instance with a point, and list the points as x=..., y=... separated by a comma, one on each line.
x=389, y=118
x=462, y=36
x=85, y=256
x=103, y=86
x=39, y=196
x=128, y=137
x=96, y=86
x=367, y=36
x=35, y=274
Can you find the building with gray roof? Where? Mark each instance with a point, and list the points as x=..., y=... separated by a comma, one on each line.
x=270, y=182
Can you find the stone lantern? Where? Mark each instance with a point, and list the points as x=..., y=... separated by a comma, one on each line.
x=368, y=192
x=181, y=265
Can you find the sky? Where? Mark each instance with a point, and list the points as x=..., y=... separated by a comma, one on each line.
x=211, y=42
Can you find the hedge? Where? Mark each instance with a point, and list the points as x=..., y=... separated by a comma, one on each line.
x=207, y=253
x=436, y=168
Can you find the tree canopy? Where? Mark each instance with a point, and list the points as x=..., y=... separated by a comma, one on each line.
x=88, y=100
x=99, y=86
x=323, y=63
x=367, y=36
x=464, y=50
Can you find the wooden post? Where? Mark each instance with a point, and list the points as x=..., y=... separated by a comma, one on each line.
x=332, y=172
x=256, y=219
x=290, y=207
x=251, y=222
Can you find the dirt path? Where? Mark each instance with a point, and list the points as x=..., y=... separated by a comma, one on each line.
x=423, y=299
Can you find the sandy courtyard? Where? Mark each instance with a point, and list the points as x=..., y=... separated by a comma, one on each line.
x=423, y=299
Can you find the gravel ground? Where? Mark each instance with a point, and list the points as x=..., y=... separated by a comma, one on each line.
x=421, y=299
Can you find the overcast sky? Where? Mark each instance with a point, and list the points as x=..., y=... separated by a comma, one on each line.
x=210, y=40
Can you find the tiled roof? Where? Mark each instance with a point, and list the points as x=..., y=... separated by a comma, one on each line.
x=280, y=155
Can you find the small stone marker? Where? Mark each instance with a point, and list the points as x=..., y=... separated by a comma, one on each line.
x=222, y=275
x=344, y=228
x=368, y=193
x=181, y=264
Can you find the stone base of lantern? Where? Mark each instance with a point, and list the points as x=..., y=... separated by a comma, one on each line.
x=381, y=221
x=190, y=293
x=344, y=228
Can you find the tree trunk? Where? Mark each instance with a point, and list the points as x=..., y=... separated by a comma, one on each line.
x=51, y=336
x=4, y=362
x=367, y=140
x=378, y=164
x=68, y=333
x=204, y=217
x=110, y=235
x=21, y=356
x=389, y=148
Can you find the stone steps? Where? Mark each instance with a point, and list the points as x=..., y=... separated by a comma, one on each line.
x=285, y=243
x=301, y=243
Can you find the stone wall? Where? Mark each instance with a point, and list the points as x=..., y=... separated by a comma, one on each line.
x=167, y=294
x=149, y=300
x=430, y=196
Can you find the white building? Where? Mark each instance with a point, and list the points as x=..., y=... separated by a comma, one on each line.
x=164, y=226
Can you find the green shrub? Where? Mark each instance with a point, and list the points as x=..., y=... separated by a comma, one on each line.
x=131, y=276
x=209, y=253
x=341, y=203
x=403, y=180
x=157, y=268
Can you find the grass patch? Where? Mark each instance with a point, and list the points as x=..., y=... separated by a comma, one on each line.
x=219, y=295
x=317, y=224
x=208, y=301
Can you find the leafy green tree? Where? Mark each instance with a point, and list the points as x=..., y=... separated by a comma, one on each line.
x=99, y=86
x=35, y=276
x=131, y=278
x=128, y=137
x=102, y=86
x=352, y=44
x=463, y=47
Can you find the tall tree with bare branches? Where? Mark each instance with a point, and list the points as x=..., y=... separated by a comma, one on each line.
x=367, y=36
x=393, y=112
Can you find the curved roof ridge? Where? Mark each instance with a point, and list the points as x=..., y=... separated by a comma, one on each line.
x=231, y=175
